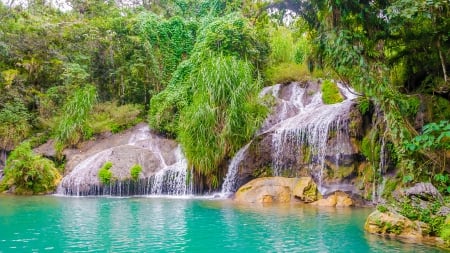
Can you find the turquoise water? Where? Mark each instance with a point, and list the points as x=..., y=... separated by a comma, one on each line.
x=62, y=224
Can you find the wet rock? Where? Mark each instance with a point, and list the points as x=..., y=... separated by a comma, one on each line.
x=394, y=224
x=267, y=190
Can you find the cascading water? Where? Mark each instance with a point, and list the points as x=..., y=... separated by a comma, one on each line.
x=310, y=130
x=230, y=183
x=302, y=132
x=168, y=175
x=3, y=157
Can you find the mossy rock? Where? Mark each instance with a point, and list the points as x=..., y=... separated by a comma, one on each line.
x=306, y=190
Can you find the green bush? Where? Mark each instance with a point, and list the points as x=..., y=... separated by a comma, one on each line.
x=330, y=93
x=135, y=171
x=28, y=173
x=14, y=126
x=109, y=116
x=104, y=174
x=286, y=73
x=224, y=113
x=73, y=125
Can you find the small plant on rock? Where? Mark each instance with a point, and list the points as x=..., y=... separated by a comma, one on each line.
x=135, y=171
x=104, y=174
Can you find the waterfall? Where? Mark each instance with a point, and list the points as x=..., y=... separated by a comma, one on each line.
x=170, y=177
x=3, y=157
x=230, y=183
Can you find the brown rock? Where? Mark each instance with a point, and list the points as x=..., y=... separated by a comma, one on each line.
x=337, y=199
x=306, y=190
x=394, y=224
x=267, y=190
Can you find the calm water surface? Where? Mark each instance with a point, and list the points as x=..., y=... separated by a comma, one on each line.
x=61, y=224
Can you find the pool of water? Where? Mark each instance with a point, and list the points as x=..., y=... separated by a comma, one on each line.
x=65, y=224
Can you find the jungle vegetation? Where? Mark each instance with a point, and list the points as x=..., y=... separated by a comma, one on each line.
x=193, y=70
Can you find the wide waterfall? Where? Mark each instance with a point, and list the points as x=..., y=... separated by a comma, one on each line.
x=302, y=133
x=164, y=169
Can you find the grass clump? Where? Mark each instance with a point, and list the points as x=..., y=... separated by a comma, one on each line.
x=330, y=93
x=135, y=171
x=27, y=173
x=104, y=174
x=286, y=72
x=73, y=125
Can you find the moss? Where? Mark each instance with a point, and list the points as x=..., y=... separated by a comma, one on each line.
x=394, y=228
x=243, y=189
x=389, y=187
x=286, y=73
x=330, y=93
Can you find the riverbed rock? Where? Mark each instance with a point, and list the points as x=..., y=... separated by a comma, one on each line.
x=394, y=224
x=267, y=190
x=306, y=190
x=337, y=199
x=424, y=191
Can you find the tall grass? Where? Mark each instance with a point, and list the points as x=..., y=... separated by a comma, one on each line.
x=224, y=114
x=73, y=126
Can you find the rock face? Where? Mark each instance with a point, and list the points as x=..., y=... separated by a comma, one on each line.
x=164, y=168
x=303, y=137
x=394, y=224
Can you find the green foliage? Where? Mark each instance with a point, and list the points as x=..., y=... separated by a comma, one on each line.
x=73, y=126
x=27, y=173
x=364, y=105
x=104, y=174
x=219, y=122
x=135, y=171
x=109, y=116
x=14, y=124
x=331, y=93
x=382, y=208
x=286, y=72
x=445, y=233
x=434, y=136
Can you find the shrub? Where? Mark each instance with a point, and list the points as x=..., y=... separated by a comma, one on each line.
x=104, y=174
x=28, y=173
x=109, y=116
x=14, y=126
x=330, y=93
x=73, y=126
x=135, y=171
x=286, y=73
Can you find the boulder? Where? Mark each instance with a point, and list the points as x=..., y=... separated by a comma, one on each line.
x=267, y=190
x=337, y=199
x=394, y=224
x=424, y=191
x=306, y=190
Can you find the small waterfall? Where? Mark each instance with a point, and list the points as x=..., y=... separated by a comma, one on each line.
x=307, y=133
x=3, y=157
x=172, y=179
x=229, y=185
x=378, y=190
